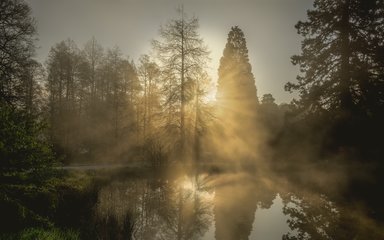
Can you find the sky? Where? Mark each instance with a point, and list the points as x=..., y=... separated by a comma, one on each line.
x=268, y=26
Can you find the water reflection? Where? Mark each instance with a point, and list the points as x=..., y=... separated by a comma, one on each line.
x=312, y=217
x=154, y=209
x=219, y=206
x=315, y=216
x=237, y=197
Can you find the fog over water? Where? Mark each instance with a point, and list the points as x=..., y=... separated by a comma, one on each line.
x=172, y=119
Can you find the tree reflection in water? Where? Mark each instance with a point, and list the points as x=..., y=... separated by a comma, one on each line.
x=237, y=197
x=315, y=216
x=312, y=217
x=187, y=206
x=154, y=209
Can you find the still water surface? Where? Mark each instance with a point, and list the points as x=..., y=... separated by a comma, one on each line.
x=212, y=206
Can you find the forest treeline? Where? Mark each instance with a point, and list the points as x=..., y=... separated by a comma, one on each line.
x=102, y=105
x=93, y=104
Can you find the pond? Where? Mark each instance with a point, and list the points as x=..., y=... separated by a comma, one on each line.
x=231, y=205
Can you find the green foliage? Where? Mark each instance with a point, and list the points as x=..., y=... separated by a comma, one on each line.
x=26, y=171
x=25, y=153
x=42, y=234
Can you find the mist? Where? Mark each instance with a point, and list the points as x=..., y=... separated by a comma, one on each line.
x=99, y=145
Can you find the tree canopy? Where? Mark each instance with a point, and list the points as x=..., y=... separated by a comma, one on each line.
x=341, y=62
x=17, y=35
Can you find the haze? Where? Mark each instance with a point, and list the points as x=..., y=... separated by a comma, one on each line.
x=268, y=27
x=169, y=119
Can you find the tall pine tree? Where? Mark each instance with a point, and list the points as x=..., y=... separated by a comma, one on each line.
x=236, y=98
x=236, y=90
x=342, y=57
x=342, y=71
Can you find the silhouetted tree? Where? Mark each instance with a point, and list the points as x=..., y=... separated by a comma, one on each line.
x=117, y=88
x=268, y=99
x=17, y=35
x=26, y=158
x=32, y=98
x=271, y=118
x=341, y=60
x=149, y=74
x=90, y=90
x=92, y=56
x=202, y=112
x=63, y=90
x=182, y=54
x=341, y=80
x=236, y=84
x=237, y=96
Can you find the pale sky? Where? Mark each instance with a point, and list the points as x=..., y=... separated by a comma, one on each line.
x=268, y=26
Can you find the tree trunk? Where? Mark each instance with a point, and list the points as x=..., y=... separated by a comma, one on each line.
x=182, y=94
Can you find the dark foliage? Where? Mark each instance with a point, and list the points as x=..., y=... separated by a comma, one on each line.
x=27, y=171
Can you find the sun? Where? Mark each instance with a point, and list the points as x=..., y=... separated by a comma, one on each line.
x=210, y=96
x=210, y=91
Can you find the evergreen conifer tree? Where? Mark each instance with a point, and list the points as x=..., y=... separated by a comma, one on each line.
x=342, y=57
x=236, y=90
x=237, y=99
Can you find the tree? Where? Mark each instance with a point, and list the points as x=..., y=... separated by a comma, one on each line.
x=268, y=99
x=63, y=89
x=90, y=90
x=341, y=59
x=121, y=88
x=270, y=118
x=202, y=112
x=17, y=35
x=93, y=56
x=32, y=94
x=149, y=74
x=27, y=162
x=182, y=53
x=342, y=71
x=236, y=84
x=236, y=98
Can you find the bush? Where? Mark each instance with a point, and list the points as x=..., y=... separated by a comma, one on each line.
x=27, y=171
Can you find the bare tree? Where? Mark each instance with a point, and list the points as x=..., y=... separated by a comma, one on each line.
x=149, y=75
x=182, y=53
x=93, y=56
